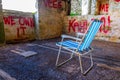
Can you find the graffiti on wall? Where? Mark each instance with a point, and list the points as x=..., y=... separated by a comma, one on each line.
x=105, y=28
x=21, y=23
x=81, y=26
x=104, y=7
x=53, y=3
x=77, y=26
x=117, y=0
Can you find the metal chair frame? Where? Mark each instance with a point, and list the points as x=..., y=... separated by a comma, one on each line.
x=76, y=52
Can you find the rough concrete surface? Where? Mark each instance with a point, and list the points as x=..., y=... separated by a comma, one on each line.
x=106, y=57
x=21, y=28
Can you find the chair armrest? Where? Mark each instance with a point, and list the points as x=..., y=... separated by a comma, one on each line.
x=80, y=34
x=71, y=37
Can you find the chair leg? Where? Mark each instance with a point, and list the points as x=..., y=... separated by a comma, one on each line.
x=59, y=57
x=81, y=66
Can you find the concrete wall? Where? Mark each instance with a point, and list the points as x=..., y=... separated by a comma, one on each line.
x=110, y=29
x=2, y=35
x=52, y=21
x=87, y=7
x=114, y=8
x=51, y=13
x=18, y=26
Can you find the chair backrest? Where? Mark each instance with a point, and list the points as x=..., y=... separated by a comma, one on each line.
x=92, y=31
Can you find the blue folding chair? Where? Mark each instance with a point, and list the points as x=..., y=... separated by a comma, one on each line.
x=79, y=45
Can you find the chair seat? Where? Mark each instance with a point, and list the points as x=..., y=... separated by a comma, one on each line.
x=71, y=45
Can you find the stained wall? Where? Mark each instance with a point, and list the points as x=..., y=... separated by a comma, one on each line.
x=18, y=26
x=107, y=11
x=2, y=35
x=52, y=21
x=51, y=13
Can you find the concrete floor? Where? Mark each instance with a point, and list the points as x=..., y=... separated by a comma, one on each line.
x=106, y=57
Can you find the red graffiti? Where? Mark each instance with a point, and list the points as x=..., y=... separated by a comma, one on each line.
x=53, y=3
x=80, y=26
x=117, y=0
x=9, y=20
x=21, y=22
x=104, y=7
x=105, y=28
x=22, y=30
